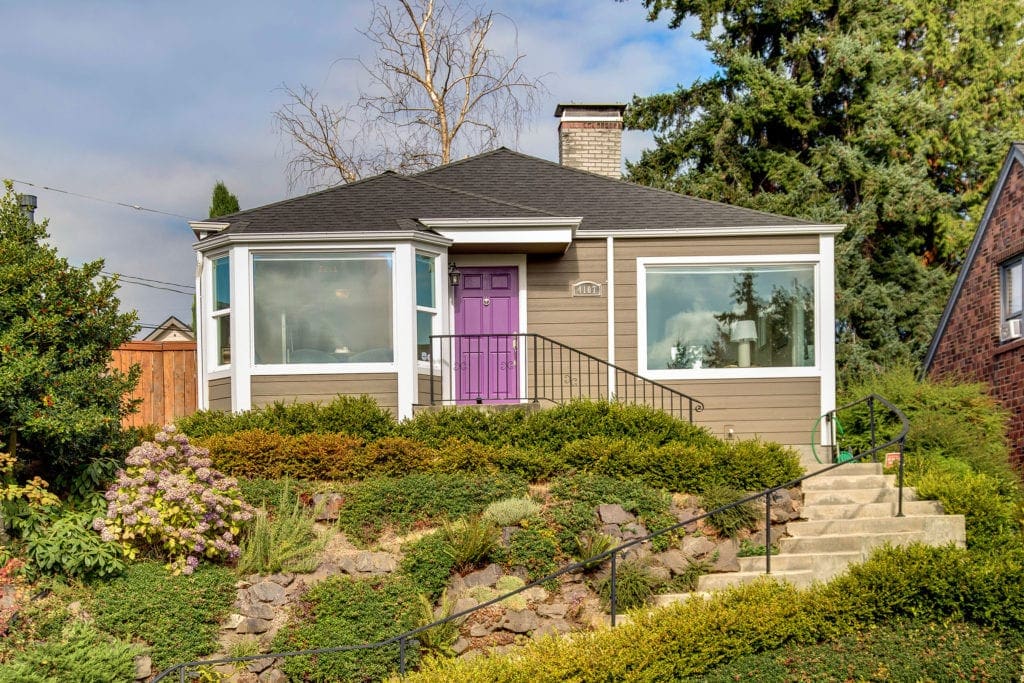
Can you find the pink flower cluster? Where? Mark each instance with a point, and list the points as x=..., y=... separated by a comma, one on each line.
x=171, y=502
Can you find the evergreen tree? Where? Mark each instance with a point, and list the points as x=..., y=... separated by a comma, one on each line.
x=222, y=202
x=889, y=116
x=60, y=403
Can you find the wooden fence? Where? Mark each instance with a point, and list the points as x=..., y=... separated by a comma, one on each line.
x=167, y=385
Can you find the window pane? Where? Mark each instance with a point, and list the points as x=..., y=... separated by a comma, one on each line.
x=322, y=308
x=424, y=280
x=221, y=284
x=1012, y=284
x=723, y=317
x=223, y=339
x=424, y=328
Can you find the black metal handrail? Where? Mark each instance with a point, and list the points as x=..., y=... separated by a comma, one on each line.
x=555, y=372
x=403, y=639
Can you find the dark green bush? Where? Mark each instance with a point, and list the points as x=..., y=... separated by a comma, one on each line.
x=267, y=493
x=428, y=564
x=534, y=548
x=755, y=465
x=570, y=520
x=594, y=489
x=434, y=428
x=735, y=519
x=258, y=453
x=419, y=499
x=343, y=611
x=81, y=653
x=67, y=545
x=178, y=615
x=633, y=586
x=356, y=416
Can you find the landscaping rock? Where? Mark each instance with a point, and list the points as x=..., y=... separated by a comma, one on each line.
x=463, y=604
x=658, y=573
x=283, y=580
x=258, y=666
x=480, y=630
x=273, y=676
x=611, y=530
x=552, y=626
x=323, y=571
x=674, y=560
x=520, y=621
x=614, y=514
x=251, y=625
x=461, y=645
x=375, y=563
x=143, y=667
x=456, y=585
x=487, y=576
x=554, y=609
x=259, y=610
x=727, y=557
x=267, y=591
x=697, y=547
x=328, y=505
x=232, y=622
x=632, y=530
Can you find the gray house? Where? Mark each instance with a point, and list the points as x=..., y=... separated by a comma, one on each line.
x=504, y=278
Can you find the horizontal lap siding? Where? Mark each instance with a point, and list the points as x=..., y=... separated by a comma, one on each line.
x=423, y=386
x=382, y=387
x=220, y=394
x=552, y=310
x=783, y=409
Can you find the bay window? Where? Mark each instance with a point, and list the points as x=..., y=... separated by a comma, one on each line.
x=221, y=314
x=322, y=307
x=426, y=304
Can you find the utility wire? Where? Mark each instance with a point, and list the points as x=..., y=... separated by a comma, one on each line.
x=166, y=289
x=100, y=199
x=146, y=279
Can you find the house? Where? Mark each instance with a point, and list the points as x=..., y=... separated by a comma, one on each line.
x=980, y=336
x=171, y=329
x=505, y=278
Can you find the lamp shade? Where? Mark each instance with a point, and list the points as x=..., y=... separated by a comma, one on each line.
x=744, y=331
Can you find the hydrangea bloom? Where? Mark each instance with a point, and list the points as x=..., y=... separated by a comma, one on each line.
x=170, y=502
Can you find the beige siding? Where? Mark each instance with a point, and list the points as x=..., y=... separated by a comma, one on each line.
x=220, y=394
x=423, y=386
x=383, y=387
x=552, y=310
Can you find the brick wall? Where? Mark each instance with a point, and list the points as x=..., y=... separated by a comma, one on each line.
x=970, y=348
x=594, y=146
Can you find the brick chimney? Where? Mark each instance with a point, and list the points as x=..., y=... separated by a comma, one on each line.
x=590, y=137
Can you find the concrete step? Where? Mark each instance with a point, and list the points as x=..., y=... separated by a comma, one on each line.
x=843, y=543
x=846, y=482
x=667, y=599
x=856, y=496
x=868, y=510
x=824, y=565
x=850, y=468
x=710, y=582
x=865, y=525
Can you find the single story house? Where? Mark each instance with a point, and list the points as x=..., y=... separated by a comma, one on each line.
x=980, y=336
x=505, y=278
x=171, y=330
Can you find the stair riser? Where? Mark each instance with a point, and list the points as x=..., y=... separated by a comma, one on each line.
x=876, y=525
x=712, y=582
x=869, y=510
x=856, y=496
x=830, y=482
x=853, y=468
x=831, y=544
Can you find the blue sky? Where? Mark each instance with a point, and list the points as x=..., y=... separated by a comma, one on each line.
x=150, y=103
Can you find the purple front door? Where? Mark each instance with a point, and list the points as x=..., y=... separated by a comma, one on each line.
x=487, y=310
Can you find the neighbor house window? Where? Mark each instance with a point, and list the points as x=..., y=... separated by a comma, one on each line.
x=221, y=315
x=426, y=304
x=322, y=308
x=1012, y=281
x=706, y=317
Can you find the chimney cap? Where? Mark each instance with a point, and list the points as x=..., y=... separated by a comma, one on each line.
x=28, y=201
x=590, y=110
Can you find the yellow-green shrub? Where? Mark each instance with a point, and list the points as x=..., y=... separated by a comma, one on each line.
x=257, y=453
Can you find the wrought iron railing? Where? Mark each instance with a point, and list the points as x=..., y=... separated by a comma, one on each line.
x=403, y=641
x=513, y=368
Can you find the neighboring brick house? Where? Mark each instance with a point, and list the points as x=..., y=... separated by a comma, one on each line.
x=980, y=335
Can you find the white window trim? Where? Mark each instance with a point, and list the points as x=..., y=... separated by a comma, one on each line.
x=322, y=368
x=440, y=303
x=729, y=261
x=215, y=369
x=1004, y=270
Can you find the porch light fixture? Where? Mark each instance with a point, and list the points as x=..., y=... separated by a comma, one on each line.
x=453, y=275
x=744, y=332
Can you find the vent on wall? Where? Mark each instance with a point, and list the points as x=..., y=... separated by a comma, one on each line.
x=1010, y=329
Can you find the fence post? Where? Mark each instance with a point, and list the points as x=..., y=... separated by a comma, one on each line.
x=871, y=410
x=768, y=532
x=613, y=595
x=899, y=502
x=401, y=655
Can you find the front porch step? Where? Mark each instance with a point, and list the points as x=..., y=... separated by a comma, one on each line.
x=857, y=496
x=798, y=577
x=834, y=481
x=870, y=510
x=851, y=468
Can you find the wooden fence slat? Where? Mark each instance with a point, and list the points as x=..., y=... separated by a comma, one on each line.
x=167, y=384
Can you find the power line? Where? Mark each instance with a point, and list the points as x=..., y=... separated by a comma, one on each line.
x=146, y=279
x=100, y=199
x=166, y=289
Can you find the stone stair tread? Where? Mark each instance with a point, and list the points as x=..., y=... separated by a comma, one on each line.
x=862, y=525
x=864, y=495
x=847, y=469
x=832, y=481
x=666, y=599
x=809, y=561
x=911, y=508
x=799, y=577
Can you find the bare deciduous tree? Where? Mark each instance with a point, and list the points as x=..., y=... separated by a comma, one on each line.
x=435, y=91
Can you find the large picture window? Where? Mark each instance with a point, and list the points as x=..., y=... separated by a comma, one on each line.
x=322, y=308
x=710, y=317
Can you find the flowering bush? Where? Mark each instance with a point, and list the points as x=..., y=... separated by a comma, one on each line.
x=169, y=501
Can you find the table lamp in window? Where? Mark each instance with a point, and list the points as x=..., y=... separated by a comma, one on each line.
x=743, y=333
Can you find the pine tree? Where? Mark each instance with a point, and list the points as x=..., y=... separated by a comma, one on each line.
x=889, y=116
x=60, y=404
x=222, y=202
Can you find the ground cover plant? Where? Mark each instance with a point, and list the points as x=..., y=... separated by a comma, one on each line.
x=81, y=652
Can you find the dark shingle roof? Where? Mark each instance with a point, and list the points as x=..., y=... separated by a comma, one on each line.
x=497, y=184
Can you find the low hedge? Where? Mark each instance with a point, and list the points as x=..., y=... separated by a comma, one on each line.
x=693, y=638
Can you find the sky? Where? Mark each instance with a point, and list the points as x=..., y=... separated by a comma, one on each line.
x=149, y=104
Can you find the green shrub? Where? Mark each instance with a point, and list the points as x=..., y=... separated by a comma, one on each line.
x=591, y=544
x=532, y=464
x=343, y=611
x=992, y=518
x=419, y=499
x=512, y=511
x=67, y=545
x=178, y=616
x=267, y=493
x=262, y=454
x=594, y=489
x=438, y=641
x=81, y=653
x=428, y=564
x=436, y=427
x=733, y=520
x=395, y=456
x=570, y=520
x=358, y=416
x=470, y=541
x=754, y=465
x=634, y=587
x=286, y=542
x=535, y=549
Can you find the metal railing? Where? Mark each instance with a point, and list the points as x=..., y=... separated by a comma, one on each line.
x=404, y=640
x=513, y=368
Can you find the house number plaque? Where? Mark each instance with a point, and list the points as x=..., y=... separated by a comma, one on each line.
x=586, y=288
